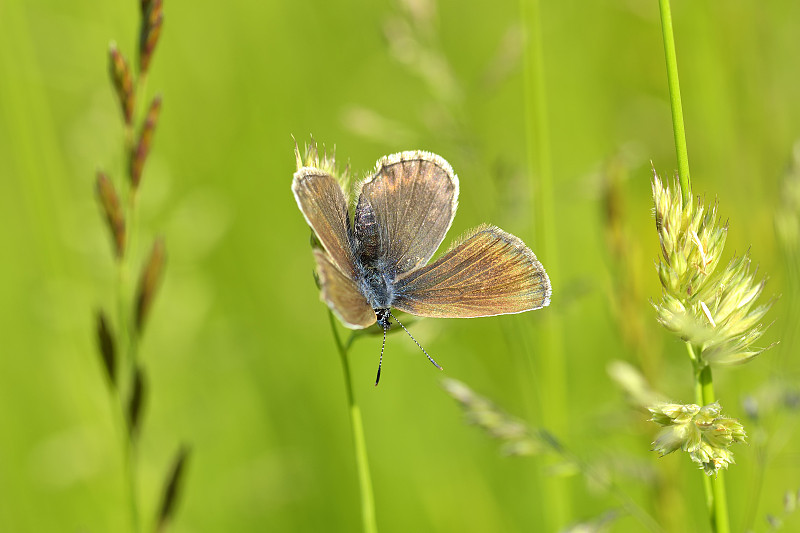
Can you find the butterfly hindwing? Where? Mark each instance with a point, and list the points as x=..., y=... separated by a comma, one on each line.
x=342, y=295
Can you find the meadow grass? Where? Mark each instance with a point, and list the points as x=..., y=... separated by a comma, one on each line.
x=554, y=116
x=119, y=344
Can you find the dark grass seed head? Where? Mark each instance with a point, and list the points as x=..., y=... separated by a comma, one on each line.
x=122, y=79
x=139, y=153
x=136, y=402
x=152, y=21
x=150, y=278
x=115, y=219
x=172, y=487
x=108, y=353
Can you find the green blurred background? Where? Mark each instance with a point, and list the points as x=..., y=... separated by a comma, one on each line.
x=239, y=354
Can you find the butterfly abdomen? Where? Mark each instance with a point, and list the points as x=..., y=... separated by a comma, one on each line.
x=368, y=249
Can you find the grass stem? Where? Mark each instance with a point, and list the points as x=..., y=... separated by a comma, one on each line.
x=714, y=486
x=553, y=370
x=678, y=128
x=128, y=335
x=129, y=457
x=126, y=341
x=704, y=385
x=364, y=480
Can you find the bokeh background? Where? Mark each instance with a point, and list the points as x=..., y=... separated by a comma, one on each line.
x=239, y=354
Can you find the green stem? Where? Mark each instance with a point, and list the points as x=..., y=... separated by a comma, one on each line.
x=123, y=390
x=129, y=304
x=129, y=456
x=553, y=369
x=675, y=101
x=128, y=337
x=365, y=482
x=714, y=486
x=704, y=385
x=127, y=340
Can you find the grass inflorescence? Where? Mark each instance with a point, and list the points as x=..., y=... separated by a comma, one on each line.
x=119, y=340
x=711, y=314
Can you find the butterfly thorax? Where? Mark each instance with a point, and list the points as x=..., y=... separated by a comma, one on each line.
x=376, y=286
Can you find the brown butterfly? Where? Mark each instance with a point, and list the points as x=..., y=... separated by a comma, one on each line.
x=377, y=260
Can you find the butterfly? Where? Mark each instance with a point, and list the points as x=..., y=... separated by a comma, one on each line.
x=377, y=259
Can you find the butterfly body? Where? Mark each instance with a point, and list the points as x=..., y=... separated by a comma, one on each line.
x=377, y=287
x=374, y=274
x=379, y=261
x=367, y=236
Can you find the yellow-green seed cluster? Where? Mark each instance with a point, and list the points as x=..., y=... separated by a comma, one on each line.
x=700, y=431
x=714, y=313
x=325, y=162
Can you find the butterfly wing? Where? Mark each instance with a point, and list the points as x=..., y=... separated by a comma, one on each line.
x=342, y=295
x=490, y=272
x=322, y=202
x=413, y=196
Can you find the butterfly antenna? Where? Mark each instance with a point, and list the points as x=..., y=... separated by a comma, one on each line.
x=380, y=361
x=415, y=342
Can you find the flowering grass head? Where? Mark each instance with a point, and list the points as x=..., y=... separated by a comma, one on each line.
x=516, y=437
x=326, y=162
x=713, y=311
x=702, y=432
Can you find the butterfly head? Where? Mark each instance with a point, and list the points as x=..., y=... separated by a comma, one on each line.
x=382, y=316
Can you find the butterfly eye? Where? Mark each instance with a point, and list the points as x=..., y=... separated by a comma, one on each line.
x=383, y=318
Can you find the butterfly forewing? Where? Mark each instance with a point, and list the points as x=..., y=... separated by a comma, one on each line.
x=341, y=294
x=321, y=199
x=490, y=272
x=413, y=196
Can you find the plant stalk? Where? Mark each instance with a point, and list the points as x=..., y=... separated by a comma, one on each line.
x=364, y=480
x=126, y=341
x=129, y=456
x=553, y=371
x=714, y=486
x=678, y=129
x=704, y=384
